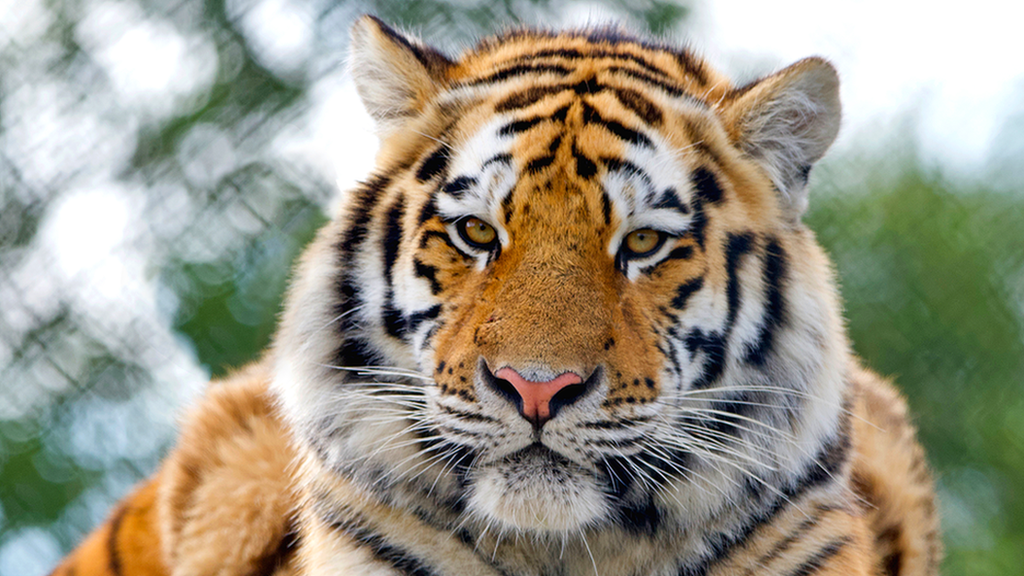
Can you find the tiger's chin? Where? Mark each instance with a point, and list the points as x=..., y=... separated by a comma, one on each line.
x=539, y=491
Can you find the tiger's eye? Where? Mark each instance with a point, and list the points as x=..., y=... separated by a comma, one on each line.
x=643, y=241
x=479, y=233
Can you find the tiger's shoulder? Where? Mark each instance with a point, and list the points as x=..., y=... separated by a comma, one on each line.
x=222, y=502
x=892, y=479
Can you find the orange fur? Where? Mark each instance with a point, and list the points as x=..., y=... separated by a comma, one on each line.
x=277, y=471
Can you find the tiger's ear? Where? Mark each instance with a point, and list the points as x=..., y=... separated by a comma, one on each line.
x=395, y=75
x=787, y=121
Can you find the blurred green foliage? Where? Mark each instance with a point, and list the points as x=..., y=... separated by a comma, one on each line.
x=931, y=273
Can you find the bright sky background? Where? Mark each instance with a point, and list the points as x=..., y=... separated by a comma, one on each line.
x=956, y=67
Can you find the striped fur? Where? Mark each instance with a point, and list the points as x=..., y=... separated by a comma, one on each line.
x=719, y=424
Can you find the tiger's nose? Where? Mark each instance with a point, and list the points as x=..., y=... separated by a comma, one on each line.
x=538, y=402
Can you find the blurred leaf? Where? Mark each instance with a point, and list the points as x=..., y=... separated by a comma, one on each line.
x=931, y=277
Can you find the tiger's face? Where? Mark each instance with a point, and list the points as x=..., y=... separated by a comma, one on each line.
x=576, y=293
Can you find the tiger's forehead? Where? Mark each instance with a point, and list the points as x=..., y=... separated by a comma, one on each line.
x=611, y=140
x=569, y=55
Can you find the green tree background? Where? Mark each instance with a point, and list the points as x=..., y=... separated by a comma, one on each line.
x=91, y=382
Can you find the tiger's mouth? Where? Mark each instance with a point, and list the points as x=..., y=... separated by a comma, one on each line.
x=537, y=455
x=536, y=488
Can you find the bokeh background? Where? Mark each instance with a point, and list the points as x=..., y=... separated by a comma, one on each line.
x=163, y=162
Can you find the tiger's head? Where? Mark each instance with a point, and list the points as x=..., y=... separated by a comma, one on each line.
x=575, y=292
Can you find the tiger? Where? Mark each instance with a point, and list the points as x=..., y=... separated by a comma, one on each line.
x=572, y=324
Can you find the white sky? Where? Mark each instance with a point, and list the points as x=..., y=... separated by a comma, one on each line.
x=956, y=67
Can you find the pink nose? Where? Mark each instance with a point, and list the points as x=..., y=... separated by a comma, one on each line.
x=537, y=396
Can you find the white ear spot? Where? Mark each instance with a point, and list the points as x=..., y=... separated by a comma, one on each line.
x=394, y=74
x=787, y=121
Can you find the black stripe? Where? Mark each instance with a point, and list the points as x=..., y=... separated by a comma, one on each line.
x=670, y=88
x=588, y=86
x=737, y=246
x=366, y=198
x=459, y=186
x=698, y=223
x=278, y=557
x=833, y=454
x=470, y=416
x=443, y=236
x=392, y=237
x=591, y=116
x=621, y=165
x=356, y=352
x=684, y=291
x=671, y=352
x=538, y=164
x=706, y=185
x=428, y=211
x=693, y=66
x=429, y=273
x=784, y=544
x=698, y=138
x=349, y=299
x=529, y=97
x=113, y=550
x=888, y=539
x=585, y=167
x=555, y=143
x=606, y=207
x=820, y=558
x=605, y=425
x=669, y=200
x=401, y=560
x=639, y=104
x=774, y=307
x=519, y=70
x=642, y=518
x=506, y=206
x=350, y=239
x=714, y=344
x=893, y=562
x=713, y=347
x=826, y=463
x=668, y=464
x=519, y=126
x=619, y=476
x=503, y=158
x=730, y=414
x=391, y=318
x=680, y=253
x=414, y=321
x=435, y=164
x=572, y=55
